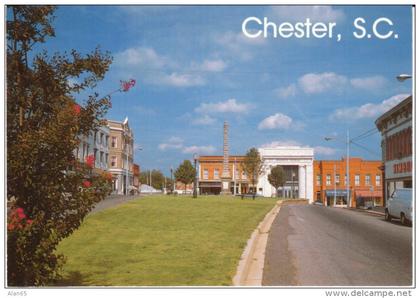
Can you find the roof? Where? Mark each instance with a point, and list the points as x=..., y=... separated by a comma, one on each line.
x=406, y=103
x=220, y=158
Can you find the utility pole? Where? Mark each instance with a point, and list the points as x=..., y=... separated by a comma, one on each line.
x=172, y=180
x=195, y=176
x=348, y=170
x=335, y=185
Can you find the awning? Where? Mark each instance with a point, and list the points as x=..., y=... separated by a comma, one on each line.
x=210, y=184
x=368, y=193
x=338, y=193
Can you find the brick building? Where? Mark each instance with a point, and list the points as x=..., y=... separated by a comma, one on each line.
x=365, y=182
x=210, y=171
x=397, y=148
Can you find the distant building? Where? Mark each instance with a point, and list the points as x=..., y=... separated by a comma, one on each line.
x=296, y=161
x=298, y=164
x=120, y=162
x=365, y=182
x=210, y=171
x=181, y=188
x=396, y=128
x=95, y=144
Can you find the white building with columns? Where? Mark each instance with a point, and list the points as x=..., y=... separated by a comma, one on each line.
x=298, y=165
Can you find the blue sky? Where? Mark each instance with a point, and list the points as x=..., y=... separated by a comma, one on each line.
x=195, y=68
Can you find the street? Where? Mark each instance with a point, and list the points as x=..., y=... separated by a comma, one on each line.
x=320, y=246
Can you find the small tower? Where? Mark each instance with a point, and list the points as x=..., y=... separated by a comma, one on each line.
x=225, y=174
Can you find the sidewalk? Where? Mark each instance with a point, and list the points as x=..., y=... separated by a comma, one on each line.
x=112, y=201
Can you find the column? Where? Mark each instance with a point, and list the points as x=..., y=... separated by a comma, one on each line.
x=302, y=183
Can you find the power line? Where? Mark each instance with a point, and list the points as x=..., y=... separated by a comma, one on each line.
x=366, y=149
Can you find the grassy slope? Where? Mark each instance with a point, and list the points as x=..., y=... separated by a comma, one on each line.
x=163, y=241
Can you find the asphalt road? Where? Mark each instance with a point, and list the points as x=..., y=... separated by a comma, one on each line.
x=321, y=246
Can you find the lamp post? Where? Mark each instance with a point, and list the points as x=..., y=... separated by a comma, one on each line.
x=195, y=176
x=335, y=185
x=172, y=180
x=347, y=166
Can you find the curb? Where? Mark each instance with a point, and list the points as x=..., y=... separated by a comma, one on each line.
x=251, y=265
x=367, y=211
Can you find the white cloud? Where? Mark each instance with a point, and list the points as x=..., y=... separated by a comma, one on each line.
x=313, y=83
x=285, y=92
x=368, y=110
x=141, y=57
x=199, y=149
x=182, y=80
x=301, y=13
x=228, y=106
x=275, y=121
x=172, y=143
x=281, y=143
x=213, y=65
x=322, y=150
x=156, y=69
x=204, y=120
x=238, y=45
x=369, y=83
x=176, y=143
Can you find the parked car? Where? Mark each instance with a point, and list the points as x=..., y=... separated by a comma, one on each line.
x=400, y=205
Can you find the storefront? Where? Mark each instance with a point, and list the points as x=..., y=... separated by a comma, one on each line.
x=337, y=197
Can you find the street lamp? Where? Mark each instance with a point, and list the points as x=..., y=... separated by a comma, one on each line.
x=172, y=180
x=195, y=176
x=347, y=166
x=402, y=77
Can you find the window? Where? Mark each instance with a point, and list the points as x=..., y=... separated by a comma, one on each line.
x=367, y=179
x=206, y=174
x=216, y=173
x=101, y=139
x=345, y=179
x=328, y=179
x=244, y=175
x=106, y=141
x=318, y=180
x=106, y=158
x=237, y=173
x=102, y=157
x=113, y=161
x=378, y=180
x=357, y=180
x=337, y=179
x=114, y=142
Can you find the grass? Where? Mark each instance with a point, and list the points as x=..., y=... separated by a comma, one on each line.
x=162, y=241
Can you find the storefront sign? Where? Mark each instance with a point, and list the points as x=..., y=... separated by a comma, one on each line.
x=403, y=167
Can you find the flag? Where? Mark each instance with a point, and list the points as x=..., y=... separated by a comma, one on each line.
x=127, y=85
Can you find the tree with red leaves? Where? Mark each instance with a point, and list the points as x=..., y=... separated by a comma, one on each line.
x=49, y=191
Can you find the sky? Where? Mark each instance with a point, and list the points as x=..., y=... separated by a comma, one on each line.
x=194, y=69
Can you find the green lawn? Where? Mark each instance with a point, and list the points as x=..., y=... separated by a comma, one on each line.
x=162, y=241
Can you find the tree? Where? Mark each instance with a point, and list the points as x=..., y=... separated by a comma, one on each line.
x=49, y=192
x=277, y=177
x=185, y=173
x=158, y=179
x=253, y=166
